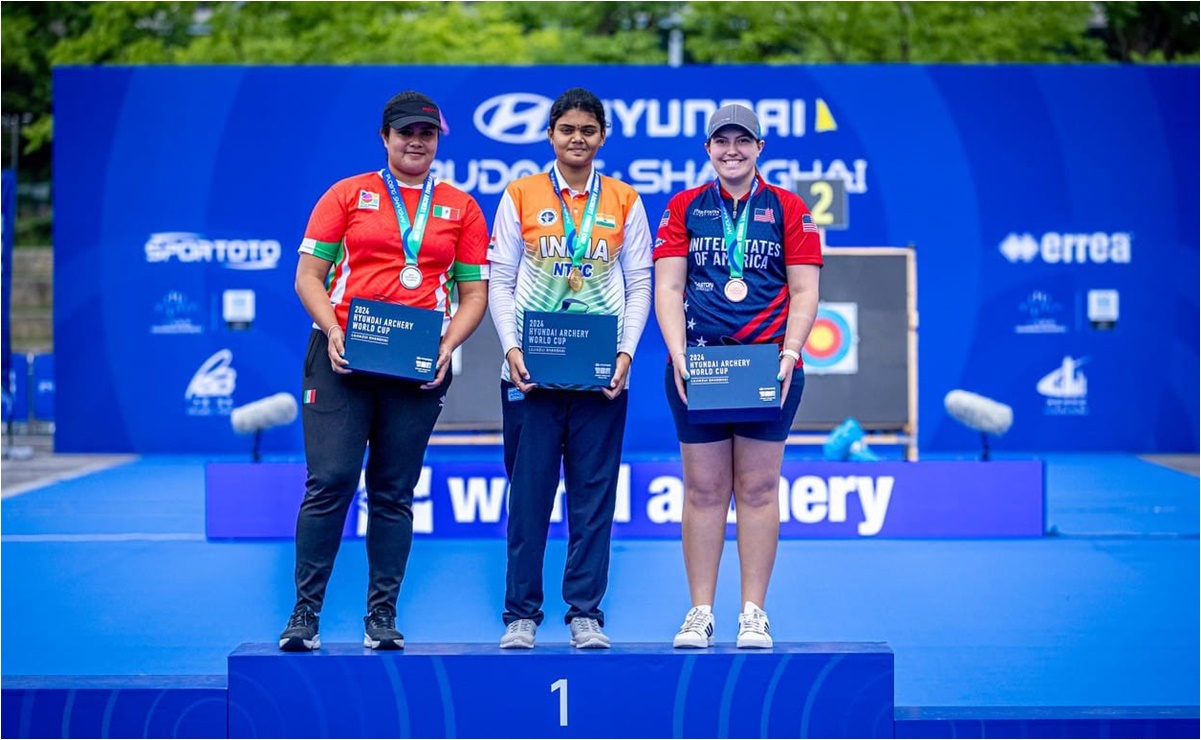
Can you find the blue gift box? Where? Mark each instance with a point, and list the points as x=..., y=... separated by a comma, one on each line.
x=731, y=383
x=574, y=349
x=393, y=339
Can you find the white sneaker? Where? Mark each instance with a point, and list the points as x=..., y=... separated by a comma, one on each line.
x=754, y=631
x=697, y=630
x=519, y=634
x=586, y=634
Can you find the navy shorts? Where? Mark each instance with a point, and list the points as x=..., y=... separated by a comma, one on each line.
x=767, y=431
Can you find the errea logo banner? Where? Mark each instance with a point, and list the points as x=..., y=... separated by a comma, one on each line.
x=1064, y=248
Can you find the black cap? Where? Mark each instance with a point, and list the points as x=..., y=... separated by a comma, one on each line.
x=411, y=107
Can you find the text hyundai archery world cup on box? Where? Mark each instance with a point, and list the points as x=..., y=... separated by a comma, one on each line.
x=393, y=339
x=569, y=349
x=733, y=383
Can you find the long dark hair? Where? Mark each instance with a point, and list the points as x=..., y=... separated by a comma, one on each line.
x=577, y=98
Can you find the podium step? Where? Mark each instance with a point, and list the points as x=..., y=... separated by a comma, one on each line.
x=632, y=690
x=114, y=706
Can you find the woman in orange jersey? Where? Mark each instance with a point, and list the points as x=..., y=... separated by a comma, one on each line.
x=392, y=235
x=605, y=269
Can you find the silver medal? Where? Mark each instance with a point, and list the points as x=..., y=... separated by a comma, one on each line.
x=410, y=277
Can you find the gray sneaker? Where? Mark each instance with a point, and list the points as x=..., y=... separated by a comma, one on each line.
x=519, y=634
x=586, y=634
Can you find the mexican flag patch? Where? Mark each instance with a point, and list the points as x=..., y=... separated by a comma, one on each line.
x=310, y=395
x=447, y=213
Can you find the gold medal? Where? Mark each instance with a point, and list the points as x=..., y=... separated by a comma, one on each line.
x=575, y=279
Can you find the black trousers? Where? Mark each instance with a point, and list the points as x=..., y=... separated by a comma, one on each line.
x=345, y=415
x=582, y=431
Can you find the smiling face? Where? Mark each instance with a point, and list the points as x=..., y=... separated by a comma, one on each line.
x=411, y=151
x=733, y=152
x=576, y=136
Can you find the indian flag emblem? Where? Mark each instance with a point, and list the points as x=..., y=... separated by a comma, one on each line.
x=310, y=395
x=447, y=213
x=604, y=219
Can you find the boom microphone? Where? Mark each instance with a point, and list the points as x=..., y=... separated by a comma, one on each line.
x=253, y=418
x=272, y=411
x=982, y=414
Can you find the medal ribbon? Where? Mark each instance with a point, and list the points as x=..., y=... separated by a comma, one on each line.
x=578, y=240
x=735, y=239
x=411, y=234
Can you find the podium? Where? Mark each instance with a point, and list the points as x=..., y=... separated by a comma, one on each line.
x=556, y=691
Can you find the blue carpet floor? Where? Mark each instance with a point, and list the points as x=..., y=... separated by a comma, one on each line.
x=1101, y=612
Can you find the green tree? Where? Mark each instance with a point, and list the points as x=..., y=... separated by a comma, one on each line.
x=929, y=32
x=594, y=32
x=39, y=35
x=1151, y=31
x=28, y=33
x=356, y=33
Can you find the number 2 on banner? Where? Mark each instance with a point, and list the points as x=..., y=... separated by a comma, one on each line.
x=824, y=192
x=561, y=687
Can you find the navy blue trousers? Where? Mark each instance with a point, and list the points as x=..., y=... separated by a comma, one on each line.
x=581, y=431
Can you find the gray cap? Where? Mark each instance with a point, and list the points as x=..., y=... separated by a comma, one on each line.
x=734, y=115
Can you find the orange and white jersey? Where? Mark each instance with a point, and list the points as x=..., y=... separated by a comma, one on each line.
x=529, y=233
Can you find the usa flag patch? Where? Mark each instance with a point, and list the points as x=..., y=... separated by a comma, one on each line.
x=666, y=217
x=766, y=215
x=807, y=223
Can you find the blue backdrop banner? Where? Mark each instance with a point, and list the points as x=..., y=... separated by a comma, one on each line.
x=1054, y=211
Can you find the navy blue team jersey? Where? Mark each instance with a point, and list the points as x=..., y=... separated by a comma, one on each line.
x=780, y=232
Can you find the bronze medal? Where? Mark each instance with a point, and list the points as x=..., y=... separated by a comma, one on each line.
x=575, y=279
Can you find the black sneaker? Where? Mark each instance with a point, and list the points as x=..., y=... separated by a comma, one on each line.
x=379, y=630
x=301, y=633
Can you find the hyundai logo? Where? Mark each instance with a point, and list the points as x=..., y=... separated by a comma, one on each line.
x=514, y=118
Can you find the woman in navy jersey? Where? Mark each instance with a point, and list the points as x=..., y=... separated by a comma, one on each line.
x=737, y=261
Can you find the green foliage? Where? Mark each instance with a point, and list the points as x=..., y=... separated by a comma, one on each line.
x=928, y=32
x=1151, y=32
x=36, y=35
x=355, y=33
x=128, y=33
